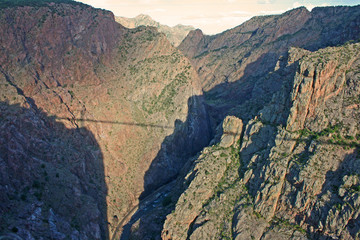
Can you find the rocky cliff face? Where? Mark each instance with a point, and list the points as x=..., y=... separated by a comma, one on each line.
x=296, y=115
x=131, y=90
x=233, y=65
x=228, y=56
x=52, y=178
x=296, y=177
x=98, y=120
x=175, y=34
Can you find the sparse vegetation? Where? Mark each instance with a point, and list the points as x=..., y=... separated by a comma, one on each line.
x=279, y=221
x=335, y=132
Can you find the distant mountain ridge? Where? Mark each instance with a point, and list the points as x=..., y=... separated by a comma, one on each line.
x=175, y=34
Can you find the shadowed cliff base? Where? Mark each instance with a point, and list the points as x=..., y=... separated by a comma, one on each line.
x=52, y=182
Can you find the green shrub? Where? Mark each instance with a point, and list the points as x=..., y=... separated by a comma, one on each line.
x=356, y=188
x=223, y=155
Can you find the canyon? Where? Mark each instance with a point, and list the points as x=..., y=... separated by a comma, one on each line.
x=109, y=132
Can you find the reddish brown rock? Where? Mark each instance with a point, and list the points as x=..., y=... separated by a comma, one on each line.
x=127, y=87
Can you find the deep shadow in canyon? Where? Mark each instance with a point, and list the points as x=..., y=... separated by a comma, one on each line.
x=52, y=178
x=187, y=139
x=243, y=99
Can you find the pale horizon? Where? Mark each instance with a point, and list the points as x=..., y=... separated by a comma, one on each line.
x=211, y=16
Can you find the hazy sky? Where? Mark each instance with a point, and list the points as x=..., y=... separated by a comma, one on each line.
x=212, y=16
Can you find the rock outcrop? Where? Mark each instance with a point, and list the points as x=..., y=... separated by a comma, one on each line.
x=233, y=65
x=207, y=200
x=297, y=178
x=175, y=34
x=231, y=131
